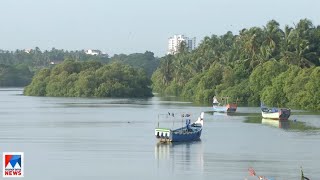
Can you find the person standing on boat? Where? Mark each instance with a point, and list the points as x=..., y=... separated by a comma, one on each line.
x=188, y=122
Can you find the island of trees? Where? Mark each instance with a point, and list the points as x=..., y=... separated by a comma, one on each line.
x=90, y=79
x=270, y=64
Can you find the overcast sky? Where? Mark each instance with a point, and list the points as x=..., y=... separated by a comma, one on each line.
x=129, y=26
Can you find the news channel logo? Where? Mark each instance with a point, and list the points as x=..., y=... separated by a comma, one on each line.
x=13, y=164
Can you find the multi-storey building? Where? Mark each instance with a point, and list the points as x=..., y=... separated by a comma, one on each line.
x=176, y=40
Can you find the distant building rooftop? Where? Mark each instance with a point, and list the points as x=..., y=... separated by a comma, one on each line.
x=93, y=52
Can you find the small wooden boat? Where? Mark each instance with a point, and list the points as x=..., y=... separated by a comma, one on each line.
x=226, y=107
x=190, y=132
x=275, y=113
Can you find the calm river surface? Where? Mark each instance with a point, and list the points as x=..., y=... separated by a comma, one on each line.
x=81, y=139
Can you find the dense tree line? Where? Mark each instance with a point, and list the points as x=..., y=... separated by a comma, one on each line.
x=270, y=64
x=18, y=75
x=35, y=59
x=146, y=61
x=90, y=79
x=18, y=67
x=277, y=66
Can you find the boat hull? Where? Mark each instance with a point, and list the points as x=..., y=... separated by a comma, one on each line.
x=192, y=136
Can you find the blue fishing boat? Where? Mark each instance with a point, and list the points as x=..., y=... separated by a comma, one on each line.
x=190, y=132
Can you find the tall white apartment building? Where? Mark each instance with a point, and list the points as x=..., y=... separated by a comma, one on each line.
x=175, y=41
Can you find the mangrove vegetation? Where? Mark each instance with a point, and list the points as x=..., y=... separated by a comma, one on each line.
x=90, y=79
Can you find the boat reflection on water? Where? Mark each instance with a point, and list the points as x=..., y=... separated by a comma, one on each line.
x=224, y=115
x=162, y=150
x=276, y=123
x=180, y=156
x=220, y=114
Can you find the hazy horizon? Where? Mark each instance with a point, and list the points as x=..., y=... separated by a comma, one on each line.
x=120, y=26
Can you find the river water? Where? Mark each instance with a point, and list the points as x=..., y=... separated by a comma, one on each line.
x=89, y=138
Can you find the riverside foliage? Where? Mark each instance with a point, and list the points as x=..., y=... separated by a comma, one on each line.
x=277, y=66
x=14, y=75
x=90, y=79
x=17, y=67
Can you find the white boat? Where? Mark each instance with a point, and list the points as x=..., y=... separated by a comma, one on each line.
x=275, y=113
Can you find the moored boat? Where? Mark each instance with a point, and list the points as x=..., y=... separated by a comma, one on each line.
x=190, y=132
x=226, y=107
x=275, y=113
